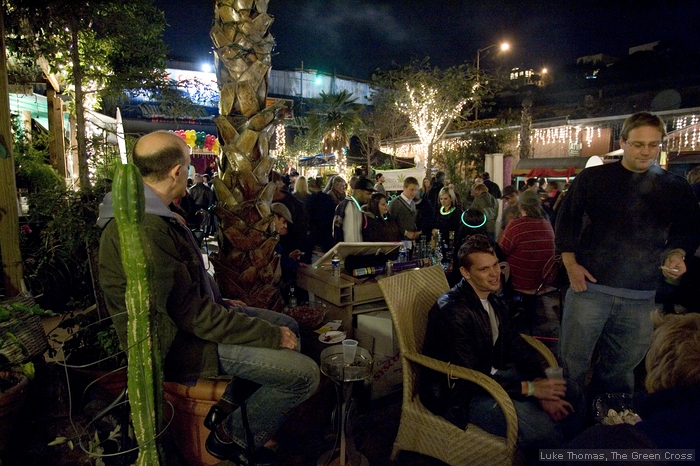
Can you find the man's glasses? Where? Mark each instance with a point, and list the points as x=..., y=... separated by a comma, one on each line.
x=654, y=145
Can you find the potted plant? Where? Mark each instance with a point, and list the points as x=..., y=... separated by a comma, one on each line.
x=22, y=338
x=22, y=335
x=13, y=392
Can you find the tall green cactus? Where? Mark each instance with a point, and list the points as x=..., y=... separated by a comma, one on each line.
x=144, y=370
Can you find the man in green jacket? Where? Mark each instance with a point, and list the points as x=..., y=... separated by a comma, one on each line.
x=199, y=334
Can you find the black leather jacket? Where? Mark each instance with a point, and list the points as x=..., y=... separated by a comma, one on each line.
x=459, y=331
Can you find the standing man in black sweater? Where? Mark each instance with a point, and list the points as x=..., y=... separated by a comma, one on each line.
x=621, y=229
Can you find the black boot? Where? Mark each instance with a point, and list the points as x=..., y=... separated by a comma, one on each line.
x=221, y=446
x=215, y=416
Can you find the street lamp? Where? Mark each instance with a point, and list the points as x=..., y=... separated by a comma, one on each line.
x=504, y=47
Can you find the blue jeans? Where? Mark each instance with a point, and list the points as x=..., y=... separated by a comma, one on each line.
x=535, y=428
x=287, y=378
x=621, y=327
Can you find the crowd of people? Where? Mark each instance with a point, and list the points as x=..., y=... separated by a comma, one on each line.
x=361, y=210
x=622, y=230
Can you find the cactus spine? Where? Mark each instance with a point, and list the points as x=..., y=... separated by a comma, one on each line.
x=144, y=368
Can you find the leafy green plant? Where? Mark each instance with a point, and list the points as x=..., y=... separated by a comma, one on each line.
x=32, y=169
x=59, y=244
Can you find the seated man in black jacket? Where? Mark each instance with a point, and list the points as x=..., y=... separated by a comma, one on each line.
x=470, y=326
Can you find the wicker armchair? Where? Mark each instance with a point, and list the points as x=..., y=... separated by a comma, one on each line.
x=409, y=297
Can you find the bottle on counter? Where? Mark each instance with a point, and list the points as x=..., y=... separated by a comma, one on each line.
x=403, y=255
x=335, y=264
x=423, y=248
x=450, y=250
x=292, y=297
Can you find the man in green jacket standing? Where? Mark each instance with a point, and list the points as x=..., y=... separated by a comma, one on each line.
x=200, y=334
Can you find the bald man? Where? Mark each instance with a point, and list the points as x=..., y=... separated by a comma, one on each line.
x=201, y=335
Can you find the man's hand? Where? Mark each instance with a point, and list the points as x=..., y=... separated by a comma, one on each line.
x=674, y=265
x=577, y=273
x=556, y=410
x=235, y=302
x=287, y=339
x=412, y=234
x=550, y=389
x=296, y=255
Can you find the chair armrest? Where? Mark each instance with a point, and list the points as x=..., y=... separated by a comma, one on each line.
x=482, y=380
x=542, y=349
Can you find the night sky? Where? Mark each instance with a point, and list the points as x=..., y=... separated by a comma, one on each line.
x=354, y=37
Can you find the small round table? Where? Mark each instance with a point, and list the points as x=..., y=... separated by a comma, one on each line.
x=343, y=374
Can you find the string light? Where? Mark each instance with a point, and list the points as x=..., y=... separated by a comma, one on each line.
x=428, y=114
x=280, y=141
x=686, y=135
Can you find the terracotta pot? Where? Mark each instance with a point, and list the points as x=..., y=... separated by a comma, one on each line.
x=111, y=382
x=191, y=406
x=11, y=402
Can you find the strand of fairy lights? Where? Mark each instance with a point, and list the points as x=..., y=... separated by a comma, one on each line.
x=687, y=136
x=561, y=135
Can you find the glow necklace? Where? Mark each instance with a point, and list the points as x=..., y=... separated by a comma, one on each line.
x=442, y=210
x=356, y=203
x=473, y=226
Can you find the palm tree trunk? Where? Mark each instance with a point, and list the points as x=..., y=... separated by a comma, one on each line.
x=246, y=266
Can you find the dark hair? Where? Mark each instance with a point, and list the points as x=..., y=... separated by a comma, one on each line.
x=157, y=164
x=642, y=119
x=471, y=245
x=409, y=181
x=485, y=176
x=440, y=176
x=377, y=176
x=554, y=184
x=275, y=176
x=373, y=204
x=531, y=181
x=474, y=221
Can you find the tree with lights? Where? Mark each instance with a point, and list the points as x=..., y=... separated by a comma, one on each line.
x=302, y=145
x=100, y=48
x=430, y=98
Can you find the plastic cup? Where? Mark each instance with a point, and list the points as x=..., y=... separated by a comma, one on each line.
x=554, y=372
x=349, y=350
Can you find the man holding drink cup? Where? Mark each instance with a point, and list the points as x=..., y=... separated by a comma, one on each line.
x=470, y=326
